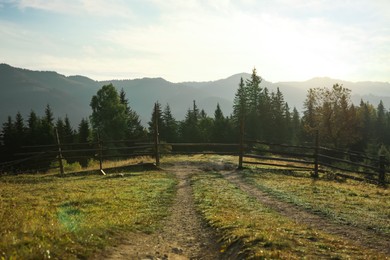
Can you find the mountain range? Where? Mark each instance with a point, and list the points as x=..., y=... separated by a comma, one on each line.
x=25, y=90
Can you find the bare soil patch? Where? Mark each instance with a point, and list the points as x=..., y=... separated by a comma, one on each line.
x=184, y=234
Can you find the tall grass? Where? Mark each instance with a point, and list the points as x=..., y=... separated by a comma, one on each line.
x=45, y=216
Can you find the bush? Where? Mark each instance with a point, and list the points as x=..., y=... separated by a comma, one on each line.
x=68, y=167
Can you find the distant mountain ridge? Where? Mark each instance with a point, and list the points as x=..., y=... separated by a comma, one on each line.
x=25, y=90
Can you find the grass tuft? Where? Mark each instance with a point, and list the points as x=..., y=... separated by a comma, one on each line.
x=44, y=216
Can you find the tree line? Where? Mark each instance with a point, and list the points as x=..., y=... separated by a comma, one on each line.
x=264, y=115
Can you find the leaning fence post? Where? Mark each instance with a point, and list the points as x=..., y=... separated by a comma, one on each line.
x=156, y=141
x=241, y=151
x=316, y=154
x=382, y=169
x=100, y=154
x=59, y=153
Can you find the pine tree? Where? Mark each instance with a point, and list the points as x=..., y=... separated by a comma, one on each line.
x=69, y=133
x=277, y=119
x=253, y=93
x=9, y=133
x=296, y=127
x=265, y=127
x=134, y=128
x=205, y=125
x=34, y=129
x=189, y=128
x=47, y=130
x=152, y=122
x=20, y=130
x=84, y=135
x=240, y=104
x=84, y=131
x=380, y=123
x=60, y=129
x=169, y=125
x=220, y=126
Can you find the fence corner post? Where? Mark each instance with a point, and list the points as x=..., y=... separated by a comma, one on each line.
x=59, y=153
x=316, y=154
x=382, y=169
x=156, y=139
x=241, y=151
x=100, y=143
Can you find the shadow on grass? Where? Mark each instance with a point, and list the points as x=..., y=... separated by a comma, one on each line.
x=114, y=170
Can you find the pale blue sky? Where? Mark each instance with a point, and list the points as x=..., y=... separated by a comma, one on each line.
x=200, y=40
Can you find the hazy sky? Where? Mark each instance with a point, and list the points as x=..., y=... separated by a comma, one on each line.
x=189, y=40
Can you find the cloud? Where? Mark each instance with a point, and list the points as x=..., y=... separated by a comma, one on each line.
x=79, y=7
x=206, y=40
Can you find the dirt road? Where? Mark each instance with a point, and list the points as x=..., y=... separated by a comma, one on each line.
x=184, y=236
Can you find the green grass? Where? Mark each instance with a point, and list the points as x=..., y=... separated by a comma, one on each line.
x=45, y=216
x=352, y=202
x=261, y=233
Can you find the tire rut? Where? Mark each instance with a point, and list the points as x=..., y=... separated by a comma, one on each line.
x=184, y=235
x=359, y=236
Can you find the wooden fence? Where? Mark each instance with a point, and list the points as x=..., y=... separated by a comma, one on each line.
x=309, y=158
x=317, y=159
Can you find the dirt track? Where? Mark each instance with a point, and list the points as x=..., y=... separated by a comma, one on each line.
x=355, y=235
x=185, y=235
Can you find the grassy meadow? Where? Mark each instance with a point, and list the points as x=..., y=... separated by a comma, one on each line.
x=44, y=216
x=261, y=233
x=344, y=201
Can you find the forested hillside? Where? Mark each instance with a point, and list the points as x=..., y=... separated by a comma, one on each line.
x=264, y=115
x=24, y=90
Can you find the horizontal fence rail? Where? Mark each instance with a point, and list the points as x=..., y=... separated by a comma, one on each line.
x=314, y=158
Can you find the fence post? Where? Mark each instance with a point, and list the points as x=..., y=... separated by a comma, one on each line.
x=100, y=154
x=59, y=153
x=316, y=152
x=241, y=152
x=156, y=141
x=382, y=169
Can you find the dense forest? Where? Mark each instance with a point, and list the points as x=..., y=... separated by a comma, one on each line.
x=264, y=115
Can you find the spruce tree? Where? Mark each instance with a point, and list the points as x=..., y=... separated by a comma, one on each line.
x=169, y=125
x=69, y=133
x=47, y=130
x=152, y=122
x=240, y=105
x=220, y=126
x=380, y=123
x=84, y=131
x=296, y=127
x=34, y=129
x=134, y=128
x=253, y=93
x=189, y=128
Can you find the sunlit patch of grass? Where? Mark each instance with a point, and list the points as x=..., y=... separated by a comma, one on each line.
x=95, y=164
x=259, y=232
x=353, y=202
x=45, y=216
x=199, y=158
